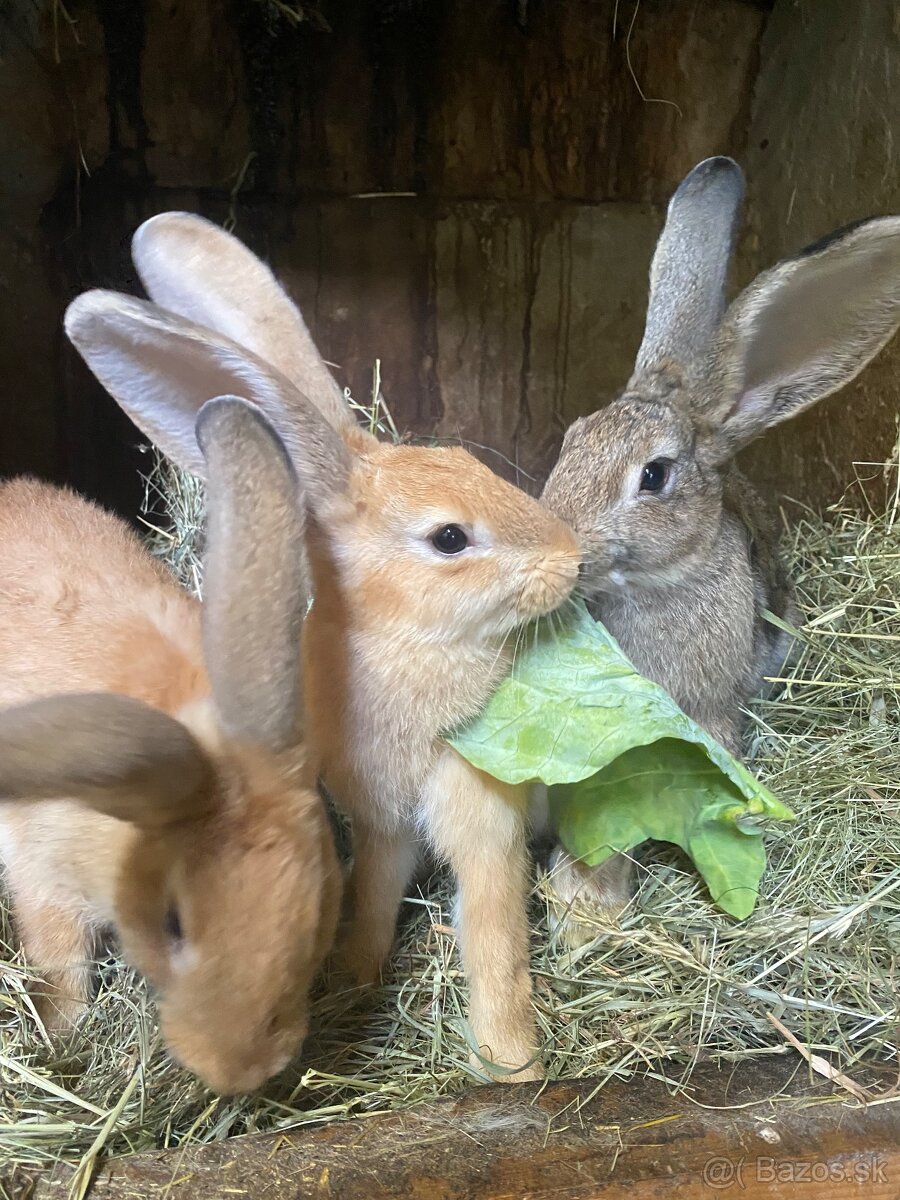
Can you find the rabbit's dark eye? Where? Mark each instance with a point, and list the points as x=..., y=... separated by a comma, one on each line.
x=450, y=539
x=654, y=476
x=172, y=925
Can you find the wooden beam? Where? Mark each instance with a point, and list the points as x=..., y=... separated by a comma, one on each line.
x=733, y=1133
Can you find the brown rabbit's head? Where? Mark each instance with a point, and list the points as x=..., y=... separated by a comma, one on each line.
x=641, y=480
x=229, y=917
x=426, y=537
x=228, y=894
x=434, y=540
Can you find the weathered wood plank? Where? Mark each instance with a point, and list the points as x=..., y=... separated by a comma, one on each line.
x=822, y=152
x=727, y=1132
x=503, y=324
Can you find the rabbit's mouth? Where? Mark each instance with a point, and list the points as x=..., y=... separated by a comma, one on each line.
x=607, y=572
x=626, y=575
x=547, y=585
x=610, y=582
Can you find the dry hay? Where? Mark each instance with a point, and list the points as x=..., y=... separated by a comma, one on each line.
x=677, y=982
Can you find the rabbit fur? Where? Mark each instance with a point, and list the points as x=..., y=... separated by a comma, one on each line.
x=152, y=770
x=403, y=642
x=681, y=557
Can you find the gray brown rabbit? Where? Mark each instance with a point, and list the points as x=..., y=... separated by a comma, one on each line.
x=681, y=558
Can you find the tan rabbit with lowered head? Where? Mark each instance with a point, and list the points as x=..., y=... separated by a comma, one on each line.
x=152, y=773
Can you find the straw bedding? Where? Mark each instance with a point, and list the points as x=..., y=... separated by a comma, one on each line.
x=675, y=983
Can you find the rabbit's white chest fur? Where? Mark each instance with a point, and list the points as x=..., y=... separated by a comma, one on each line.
x=402, y=695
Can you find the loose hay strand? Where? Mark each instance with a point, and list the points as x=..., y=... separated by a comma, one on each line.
x=673, y=983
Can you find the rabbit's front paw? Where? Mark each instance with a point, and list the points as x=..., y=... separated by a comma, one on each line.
x=527, y=1075
x=584, y=898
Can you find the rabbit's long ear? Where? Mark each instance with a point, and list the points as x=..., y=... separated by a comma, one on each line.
x=690, y=265
x=802, y=330
x=117, y=755
x=254, y=586
x=162, y=369
x=195, y=269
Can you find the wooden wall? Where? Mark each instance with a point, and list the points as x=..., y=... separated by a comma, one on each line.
x=468, y=190
x=824, y=150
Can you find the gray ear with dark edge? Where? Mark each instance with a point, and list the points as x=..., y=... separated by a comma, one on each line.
x=115, y=754
x=195, y=269
x=254, y=585
x=689, y=272
x=161, y=369
x=800, y=331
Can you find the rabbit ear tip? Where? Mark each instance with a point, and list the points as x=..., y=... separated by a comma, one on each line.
x=169, y=217
x=169, y=221
x=232, y=416
x=718, y=170
x=717, y=165
x=99, y=307
x=227, y=410
x=85, y=307
x=717, y=162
